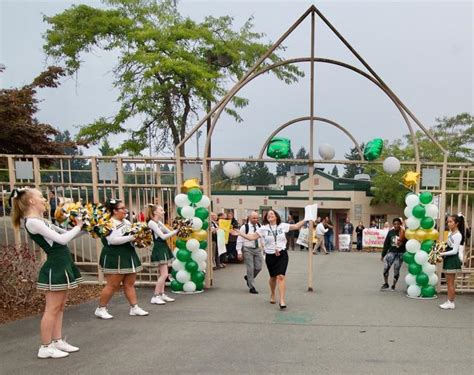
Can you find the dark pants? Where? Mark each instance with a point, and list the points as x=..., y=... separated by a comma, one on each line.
x=359, y=242
x=232, y=252
x=328, y=240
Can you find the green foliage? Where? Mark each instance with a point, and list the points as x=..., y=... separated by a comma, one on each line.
x=256, y=174
x=106, y=149
x=335, y=171
x=168, y=67
x=282, y=168
x=350, y=170
x=219, y=180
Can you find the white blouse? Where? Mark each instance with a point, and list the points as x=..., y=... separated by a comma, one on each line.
x=50, y=232
x=117, y=236
x=273, y=236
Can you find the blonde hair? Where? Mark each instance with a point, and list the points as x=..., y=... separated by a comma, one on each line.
x=150, y=211
x=19, y=204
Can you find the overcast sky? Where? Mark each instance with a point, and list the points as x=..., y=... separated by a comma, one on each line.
x=422, y=49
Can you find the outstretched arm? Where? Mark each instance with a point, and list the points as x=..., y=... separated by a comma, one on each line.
x=247, y=236
x=159, y=232
x=38, y=226
x=297, y=226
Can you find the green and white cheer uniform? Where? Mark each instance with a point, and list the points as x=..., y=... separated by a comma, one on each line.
x=59, y=271
x=161, y=253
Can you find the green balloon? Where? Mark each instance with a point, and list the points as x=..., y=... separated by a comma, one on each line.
x=426, y=197
x=427, y=222
x=409, y=258
x=194, y=195
x=419, y=211
x=414, y=268
x=178, y=210
x=198, y=277
x=181, y=244
x=203, y=213
x=183, y=255
x=428, y=291
x=422, y=279
x=191, y=266
x=373, y=149
x=176, y=286
x=173, y=273
x=205, y=224
x=279, y=148
x=427, y=245
x=203, y=245
x=199, y=286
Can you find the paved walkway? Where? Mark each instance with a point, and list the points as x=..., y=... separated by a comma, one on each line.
x=345, y=327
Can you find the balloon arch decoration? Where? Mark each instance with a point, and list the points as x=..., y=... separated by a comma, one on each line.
x=422, y=279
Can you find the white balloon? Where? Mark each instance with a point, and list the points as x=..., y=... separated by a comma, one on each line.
x=175, y=251
x=414, y=290
x=192, y=244
x=177, y=265
x=412, y=223
x=189, y=286
x=182, y=200
x=183, y=276
x=412, y=200
x=421, y=257
x=204, y=202
x=408, y=211
x=412, y=246
x=187, y=212
x=231, y=170
x=429, y=268
x=431, y=210
x=202, y=266
x=197, y=223
x=433, y=279
x=410, y=279
x=391, y=165
x=326, y=151
x=199, y=256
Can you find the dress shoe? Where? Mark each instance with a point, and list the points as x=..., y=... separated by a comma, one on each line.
x=253, y=291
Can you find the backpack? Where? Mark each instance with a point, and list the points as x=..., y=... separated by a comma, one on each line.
x=247, y=227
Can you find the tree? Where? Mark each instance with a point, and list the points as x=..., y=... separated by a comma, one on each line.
x=352, y=169
x=256, y=174
x=105, y=148
x=168, y=68
x=219, y=180
x=335, y=171
x=22, y=132
x=302, y=154
x=282, y=168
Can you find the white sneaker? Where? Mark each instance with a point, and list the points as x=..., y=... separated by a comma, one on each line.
x=137, y=311
x=64, y=346
x=102, y=313
x=157, y=300
x=447, y=305
x=51, y=352
x=166, y=298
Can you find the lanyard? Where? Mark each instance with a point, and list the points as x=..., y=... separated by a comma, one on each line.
x=274, y=233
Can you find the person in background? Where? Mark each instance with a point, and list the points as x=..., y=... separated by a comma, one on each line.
x=392, y=254
x=52, y=205
x=320, y=232
x=216, y=263
x=386, y=225
x=348, y=229
x=250, y=251
x=290, y=236
x=232, y=243
x=373, y=225
x=451, y=262
x=222, y=257
x=57, y=275
x=359, y=231
x=329, y=235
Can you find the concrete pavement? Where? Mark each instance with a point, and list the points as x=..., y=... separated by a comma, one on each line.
x=346, y=326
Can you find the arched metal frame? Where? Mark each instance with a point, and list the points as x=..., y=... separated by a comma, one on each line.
x=253, y=72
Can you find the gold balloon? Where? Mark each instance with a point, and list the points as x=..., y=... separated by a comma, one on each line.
x=190, y=184
x=200, y=235
x=410, y=234
x=420, y=235
x=410, y=179
x=432, y=234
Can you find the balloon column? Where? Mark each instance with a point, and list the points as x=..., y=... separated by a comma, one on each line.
x=421, y=214
x=190, y=264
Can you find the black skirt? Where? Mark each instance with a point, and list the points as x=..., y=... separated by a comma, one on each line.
x=277, y=264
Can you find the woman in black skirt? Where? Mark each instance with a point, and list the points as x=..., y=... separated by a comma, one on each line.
x=273, y=233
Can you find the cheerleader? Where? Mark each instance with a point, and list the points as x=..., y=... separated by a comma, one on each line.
x=57, y=275
x=119, y=262
x=161, y=255
x=451, y=262
x=273, y=232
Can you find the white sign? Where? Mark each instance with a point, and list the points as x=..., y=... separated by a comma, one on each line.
x=372, y=237
x=345, y=241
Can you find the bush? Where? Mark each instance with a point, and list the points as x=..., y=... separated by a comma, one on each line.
x=18, y=273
